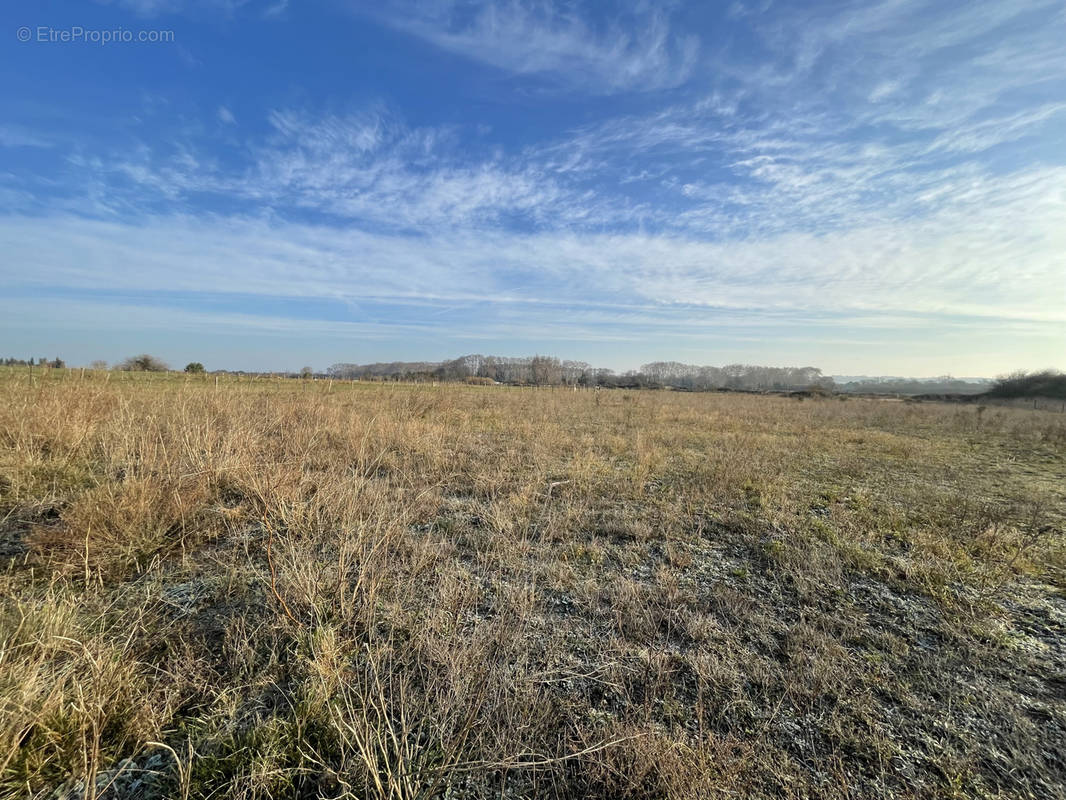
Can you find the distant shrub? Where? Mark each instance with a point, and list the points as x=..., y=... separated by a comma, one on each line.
x=143, y=363
x=815, y=390
x=475, y=381
x=195, y=368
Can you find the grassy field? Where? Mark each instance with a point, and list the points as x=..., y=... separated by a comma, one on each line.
x=304, y=589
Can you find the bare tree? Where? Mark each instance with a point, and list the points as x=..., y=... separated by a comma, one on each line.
x=143, y=363
x=573, y=370
x=546, y=370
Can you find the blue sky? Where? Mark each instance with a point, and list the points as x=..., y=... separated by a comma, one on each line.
x=868, y=187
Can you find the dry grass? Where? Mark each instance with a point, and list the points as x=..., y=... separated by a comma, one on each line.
x=282, y=589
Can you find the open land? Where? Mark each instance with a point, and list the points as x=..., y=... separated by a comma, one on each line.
x=280, y=588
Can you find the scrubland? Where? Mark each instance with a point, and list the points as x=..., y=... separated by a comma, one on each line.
x=278, y=589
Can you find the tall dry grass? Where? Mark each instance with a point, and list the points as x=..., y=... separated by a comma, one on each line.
x=275, y=589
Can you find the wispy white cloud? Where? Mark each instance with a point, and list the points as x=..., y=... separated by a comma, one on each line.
x=17, y=136
x=636, y=50
x=884, y=90
x=155, y=8
x=991, y=253
x=366, y=166
x=276, y=9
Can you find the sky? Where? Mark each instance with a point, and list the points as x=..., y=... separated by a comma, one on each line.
x=874, y=187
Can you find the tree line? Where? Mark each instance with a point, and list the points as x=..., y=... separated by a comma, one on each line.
x=54, y=363
x=541, y=370
x=1045, y=383
x=139, y=363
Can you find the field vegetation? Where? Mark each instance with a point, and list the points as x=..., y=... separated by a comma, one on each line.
x=269, y=588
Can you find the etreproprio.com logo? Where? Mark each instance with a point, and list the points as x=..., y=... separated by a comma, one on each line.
x=76, y=34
